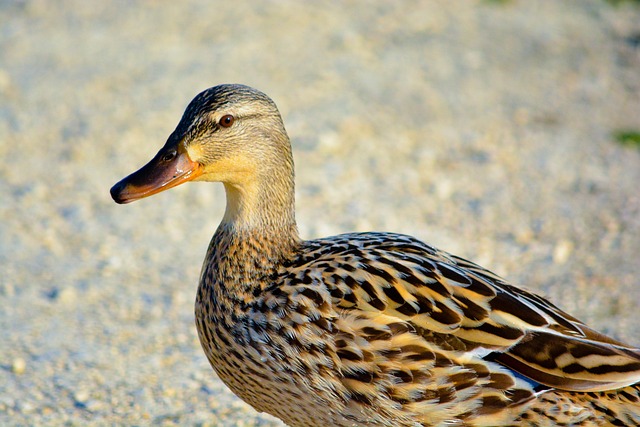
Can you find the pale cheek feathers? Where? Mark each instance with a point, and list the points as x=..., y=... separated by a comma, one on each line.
x=195, y=152
x=232, y=170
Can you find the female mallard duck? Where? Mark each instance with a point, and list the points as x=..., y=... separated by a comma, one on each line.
x=367, y=329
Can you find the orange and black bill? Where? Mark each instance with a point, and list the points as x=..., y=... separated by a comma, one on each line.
x=170, y=167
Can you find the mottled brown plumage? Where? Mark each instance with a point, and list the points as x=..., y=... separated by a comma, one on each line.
x=368, y=329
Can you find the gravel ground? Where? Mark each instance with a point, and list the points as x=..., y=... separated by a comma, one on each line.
x=484, y=128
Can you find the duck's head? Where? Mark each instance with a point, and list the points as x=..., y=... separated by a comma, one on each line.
x=228, y=133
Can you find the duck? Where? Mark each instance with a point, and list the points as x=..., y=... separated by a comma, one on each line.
x=367, y=328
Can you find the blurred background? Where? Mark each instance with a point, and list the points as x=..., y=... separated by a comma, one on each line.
x=506, y=132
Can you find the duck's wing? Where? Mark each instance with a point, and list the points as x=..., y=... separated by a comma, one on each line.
x=555, y=349
x=462, y=305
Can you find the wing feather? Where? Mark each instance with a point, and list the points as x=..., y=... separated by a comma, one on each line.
x=442, y=296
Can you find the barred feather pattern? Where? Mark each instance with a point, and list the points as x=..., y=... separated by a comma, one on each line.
x=380, y=329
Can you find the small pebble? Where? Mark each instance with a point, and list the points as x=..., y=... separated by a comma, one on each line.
x=25, y=406
x=18, y=366
x=81, y=396
x=524, y=235
x=562, y=251
x=67, y=295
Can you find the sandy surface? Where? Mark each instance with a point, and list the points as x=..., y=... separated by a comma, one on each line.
x=481, y=127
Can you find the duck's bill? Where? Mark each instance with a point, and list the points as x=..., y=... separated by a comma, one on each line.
x=167, y=169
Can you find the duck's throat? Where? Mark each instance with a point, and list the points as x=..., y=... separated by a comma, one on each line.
x=260, y=205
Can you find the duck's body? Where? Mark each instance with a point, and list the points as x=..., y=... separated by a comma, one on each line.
x=368, y=329
x=380, y=329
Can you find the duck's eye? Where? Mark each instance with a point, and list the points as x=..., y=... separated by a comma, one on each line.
x=226, y=121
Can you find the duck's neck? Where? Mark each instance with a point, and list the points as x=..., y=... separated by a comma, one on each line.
x=257, y=233
x=260, y=206
x=244, y=255
x=263, y=200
